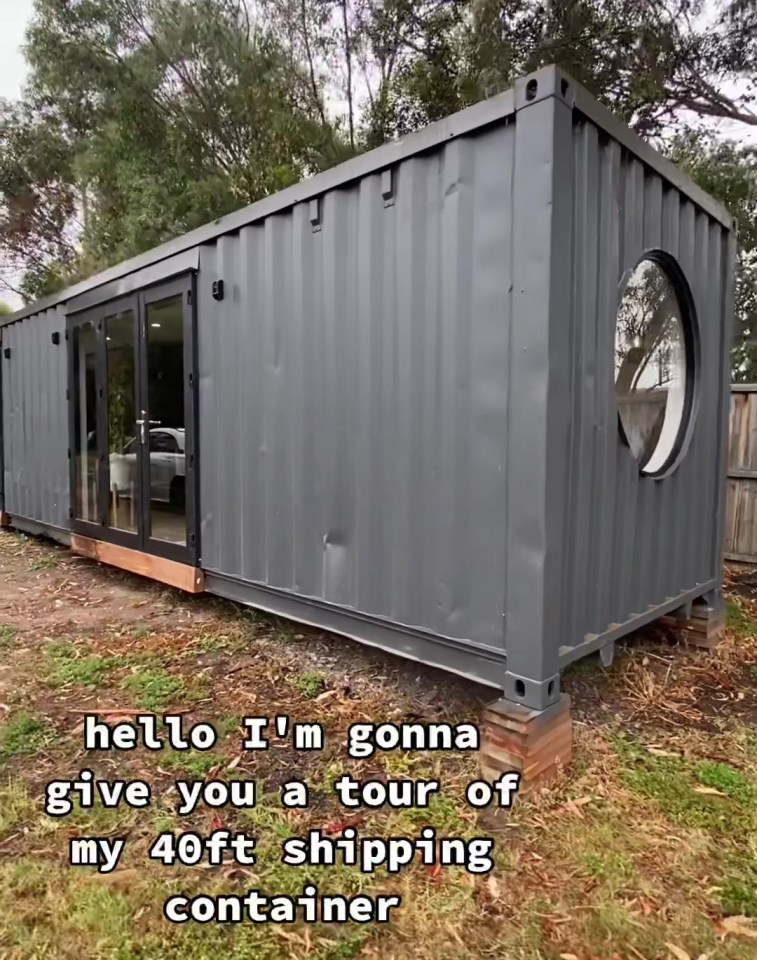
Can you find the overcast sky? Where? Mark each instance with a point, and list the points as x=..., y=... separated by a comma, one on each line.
x=14, y=15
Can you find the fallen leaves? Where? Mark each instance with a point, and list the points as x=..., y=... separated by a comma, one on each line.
x=738, y=927
x=678, y=952
x=574, y=806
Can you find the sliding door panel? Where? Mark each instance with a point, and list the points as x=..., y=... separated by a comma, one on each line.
x=132, y=390
x=164, y=334
x=121, y=414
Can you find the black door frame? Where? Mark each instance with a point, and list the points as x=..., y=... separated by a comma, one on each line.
x=138, y=301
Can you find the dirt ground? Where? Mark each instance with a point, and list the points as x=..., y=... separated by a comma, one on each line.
x=646, y=848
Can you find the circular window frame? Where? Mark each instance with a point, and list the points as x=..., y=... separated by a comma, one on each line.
x=690, y=327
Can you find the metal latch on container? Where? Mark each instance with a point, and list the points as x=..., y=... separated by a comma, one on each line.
x=387, y=187
x=315, y=214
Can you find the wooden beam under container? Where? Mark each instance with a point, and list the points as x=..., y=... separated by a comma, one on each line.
x=179, y=575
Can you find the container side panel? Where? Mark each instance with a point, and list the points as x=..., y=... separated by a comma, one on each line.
x=35, y=420
x=353, y=393
x=636, y=542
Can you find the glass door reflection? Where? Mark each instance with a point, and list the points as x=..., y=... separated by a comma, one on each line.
x=85, y=423
x=132, y=413
x=121, y=410
x=164, y=410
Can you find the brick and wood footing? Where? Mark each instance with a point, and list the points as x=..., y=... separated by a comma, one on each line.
x=5, y=520
x=704, y=628
x=535, y=743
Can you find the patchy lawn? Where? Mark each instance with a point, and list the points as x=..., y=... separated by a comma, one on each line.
x=646, y=849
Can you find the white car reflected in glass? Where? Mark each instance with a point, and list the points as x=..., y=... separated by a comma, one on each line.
x=167, y=467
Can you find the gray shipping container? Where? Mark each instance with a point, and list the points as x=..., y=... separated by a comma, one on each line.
x=395, y=400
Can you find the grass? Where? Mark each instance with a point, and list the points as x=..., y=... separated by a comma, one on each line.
x=22, y=735
x=15, y=805
x=7, y=636
x=309, y=684
x=219, y=642
x=66, y=665
x=230, y=724
x=737, y=892
x=737, y=616
x=153, y=689
x=650, y=841
x=710, y=796
x=43, y=563
x=192, y=763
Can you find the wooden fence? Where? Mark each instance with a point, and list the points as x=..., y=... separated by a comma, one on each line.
x=741, y=485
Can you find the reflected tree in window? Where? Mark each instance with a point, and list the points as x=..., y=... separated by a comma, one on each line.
x=650, y=365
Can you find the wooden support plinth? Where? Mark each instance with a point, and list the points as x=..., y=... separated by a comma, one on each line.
x=179, y=575
x=5, y=520
x=704, y=628
x=535, y=743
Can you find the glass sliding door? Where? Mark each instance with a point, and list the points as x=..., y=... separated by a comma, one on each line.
x=121, y=417
x=132, y=394
x=165, y=403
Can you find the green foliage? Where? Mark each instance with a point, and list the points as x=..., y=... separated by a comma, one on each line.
x=736, y=618
x=737, y=893
x=176, y=112
x=66, y=665
x=231, y=723
x=5, y=309
x=309, y=684
x=192, y=763
x=728, y=171
x=153, y=689
x=22, y=735
x=7, y=636
x=15, y=805
x=144, y=119
x=711, y=796
x=727, y=780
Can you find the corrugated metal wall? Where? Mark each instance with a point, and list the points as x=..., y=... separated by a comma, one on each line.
x=353, y=394
x=406, y=398
x=35, y=419
x=632, y=541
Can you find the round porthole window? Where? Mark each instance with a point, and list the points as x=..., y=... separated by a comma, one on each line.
x=654, y=359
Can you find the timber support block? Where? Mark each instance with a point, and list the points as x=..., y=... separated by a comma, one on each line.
x=179, y=575
x=704, y=628
x=535, y=743
x=5, y=520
